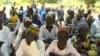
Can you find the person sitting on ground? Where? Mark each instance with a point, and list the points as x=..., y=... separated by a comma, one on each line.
x=13, y=10
x=95, y=28
x=5, y=39
x=87, y=13
x=60, y=47
x=28, y=46
x=13, y=18
x=75, y=21
x=84, y=44
x=20, y=20
x=70, y=17
x=41, y=10
x=52, y=12
x=60, y=14
x=48, y=32
x=90, y=20
x=43, y=15
x=36, y=20
x=40, y=43
x=27, y=22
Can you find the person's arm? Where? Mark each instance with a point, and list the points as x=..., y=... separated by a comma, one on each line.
x=73, y=23
x=56, y=32
x=16, y=18
x=74, y=51
x=40, y=23
x=18, y=38
x=93, y=50
x=93, y=31
x=41, y=33
x=8, y=35
x=5, y=50
x=19, y=52
x=67, y=20
x=41, y=47
x=50, y=49
x=10, y=18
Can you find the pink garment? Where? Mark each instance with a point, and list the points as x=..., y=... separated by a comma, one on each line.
x=53, y=48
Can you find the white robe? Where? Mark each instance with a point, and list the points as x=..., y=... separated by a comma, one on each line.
x=5, y=34
x=44, y=34
x=27, y=50
x=5, y=49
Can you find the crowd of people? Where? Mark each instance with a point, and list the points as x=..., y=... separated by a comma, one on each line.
x=38, y=33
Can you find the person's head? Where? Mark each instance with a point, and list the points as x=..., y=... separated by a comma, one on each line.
x=4, y=8
x=72, y=13
x=29, y=36
x=83, y=29
x=47, y=10
x=28, y=7
x=90, y=17
x=89, y=11
x=79, y=11
x=78, y=16
x=99, y=16
x=62, y=39
x=14, y=3
x=68, y=12
x=12, y=7
x=0, y=23
x=35, y=31
x=27, y=22
x=35, y=17
x=61, y=6
x=42, y=7
x=49, y=20
x=31, y=11
x=21, y=7
x=82, y=10
x=20, y=16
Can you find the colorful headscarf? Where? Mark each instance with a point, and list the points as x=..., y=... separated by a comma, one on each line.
x=27, y=19
x=66, y=29
x=34, y=29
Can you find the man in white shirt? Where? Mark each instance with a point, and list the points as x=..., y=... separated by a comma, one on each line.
x=5, y=37
x=28, y=46
x=49, y=31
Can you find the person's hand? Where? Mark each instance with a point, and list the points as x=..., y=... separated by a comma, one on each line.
x=1, y=43
x=53, y=54
x=49, y=40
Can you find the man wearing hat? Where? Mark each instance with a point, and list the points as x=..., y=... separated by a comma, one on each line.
x=82, y=42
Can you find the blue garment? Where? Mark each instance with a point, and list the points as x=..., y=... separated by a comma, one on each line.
x=60, y=14
x=41, y=11
x=43, y=17
x=37, y=22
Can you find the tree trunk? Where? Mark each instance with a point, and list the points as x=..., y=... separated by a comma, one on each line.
x=88, y=3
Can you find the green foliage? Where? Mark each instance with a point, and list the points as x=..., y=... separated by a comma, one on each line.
x=93, y=1
x=48, y=1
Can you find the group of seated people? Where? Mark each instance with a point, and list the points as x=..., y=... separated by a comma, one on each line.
x=49, y=40
x=32, y=38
